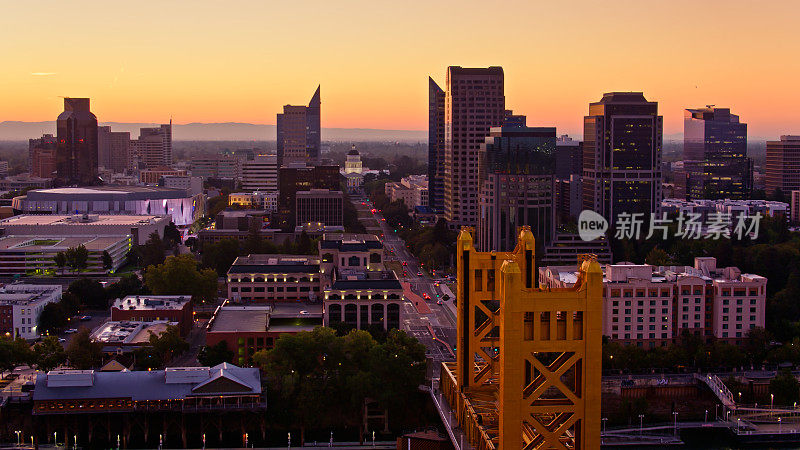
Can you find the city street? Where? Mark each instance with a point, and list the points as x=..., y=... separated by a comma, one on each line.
x=434, y=328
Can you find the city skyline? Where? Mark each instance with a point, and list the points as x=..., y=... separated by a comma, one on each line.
x=229, y=76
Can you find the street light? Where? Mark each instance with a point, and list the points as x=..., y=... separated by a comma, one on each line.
x=641, y=422
x=740, y=397
x=705, y=417
x=771, y=399
x=604, y=419
x=18, y=432
x=779, y=425
x=675, y=424
x=738, y=424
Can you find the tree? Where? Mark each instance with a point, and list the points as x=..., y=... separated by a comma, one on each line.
x=172, y=235
x=784, y=387
x=53, y=318
x=108, y=263
x=657, y=257
x=77, y=257
x=152, y=252
x=215, y=354
x=179, y=276
x=49, y=354
x=168, y=343
x=14, y=352
x=90, y=292
x=60, y=260
x=82, y=352
x=220, y=255
x=129, y=284
x=321, y=379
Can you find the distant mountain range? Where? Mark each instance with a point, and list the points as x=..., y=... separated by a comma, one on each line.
x=231, y=131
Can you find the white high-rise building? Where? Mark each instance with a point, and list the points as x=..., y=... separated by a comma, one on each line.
x=260, y=174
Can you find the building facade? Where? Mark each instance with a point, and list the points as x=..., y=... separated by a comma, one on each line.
x=474, y=102
x=652, y=306
x=622, y=137
x=153, y=308
x=76, y=149
x=22, y=304
x=715, y=154
x=300, y=177
x=517, y=176
x=413, y=190
x=154, y=147
x=321, y=206
x=260, y=174
x=113, y=149
x=436, y=133
x=782, y=168
x=42, y=156
x=274, y=278
x=299, y=132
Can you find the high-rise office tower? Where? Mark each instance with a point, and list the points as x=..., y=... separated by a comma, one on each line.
x=76, y=151
x=113, y=149
x=474, y=102
x=782, y=168
x=260, y=174
x=154, y=147
x=715, y=154
x=435, y=146
x=517, y=176
x=42, y=156
x=299, y=132
x=622, y=138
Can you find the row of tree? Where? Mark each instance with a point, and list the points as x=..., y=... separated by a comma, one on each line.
x=318, y=379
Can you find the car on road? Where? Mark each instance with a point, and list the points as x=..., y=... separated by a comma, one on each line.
x=62, y=340
x=86, y=318
x=426, y=296
x=405, y=263
x=419, y=274
x=71, y=330
x=438, y=302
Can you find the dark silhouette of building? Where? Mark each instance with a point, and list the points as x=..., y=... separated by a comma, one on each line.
x=517, y=173
x=782, y=168
x=76, y=152
x=435, y=146
x=622, y=137
x=715, y=155
x=299, y=132
x=474, y=102
x=297, y=177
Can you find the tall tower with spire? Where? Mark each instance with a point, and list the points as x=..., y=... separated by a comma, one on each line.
x=299, y=136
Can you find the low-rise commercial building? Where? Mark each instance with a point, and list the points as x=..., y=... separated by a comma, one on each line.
x=118, y=336
x=734, y=208
x=361, y=298
x=139, y=227
x=21, y=305
x=274, y=278
x=651, y=306
x=350, y=251
x=154, y=175
x=247, y=329
x=266, y=200
x=155, y=308
x=411, y=190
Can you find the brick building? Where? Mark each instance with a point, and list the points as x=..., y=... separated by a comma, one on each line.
x=150, y=308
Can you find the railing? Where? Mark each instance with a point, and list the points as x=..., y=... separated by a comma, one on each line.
x=718, y=387
x=465, y=413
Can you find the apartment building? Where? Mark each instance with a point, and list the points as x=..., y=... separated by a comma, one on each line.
x=651, y=306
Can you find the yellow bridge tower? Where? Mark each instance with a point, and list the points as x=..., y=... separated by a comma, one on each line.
x=528, y=362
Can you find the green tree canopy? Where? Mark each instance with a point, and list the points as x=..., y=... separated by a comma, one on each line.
x=179, y=275
x=215, y=354
x=82, y=352
x=90, y=292
x=220, y=255
x=49, y=354
x=53, y=318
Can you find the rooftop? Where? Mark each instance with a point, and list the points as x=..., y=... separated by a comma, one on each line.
x=359, y=279
x=56, y=243
x=171, y=383
x=152, y=302
x=289, y=317
x=128, y=332
x=78, y=219
x=26, y=294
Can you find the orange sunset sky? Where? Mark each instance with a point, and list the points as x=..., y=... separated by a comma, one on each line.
x=240, y=61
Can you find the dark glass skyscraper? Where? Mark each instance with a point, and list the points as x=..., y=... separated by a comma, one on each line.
x=715, y=154
x=435, y=146
x=299, y=132
x=622, y=138
x=517, y=173
x=76, y=149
